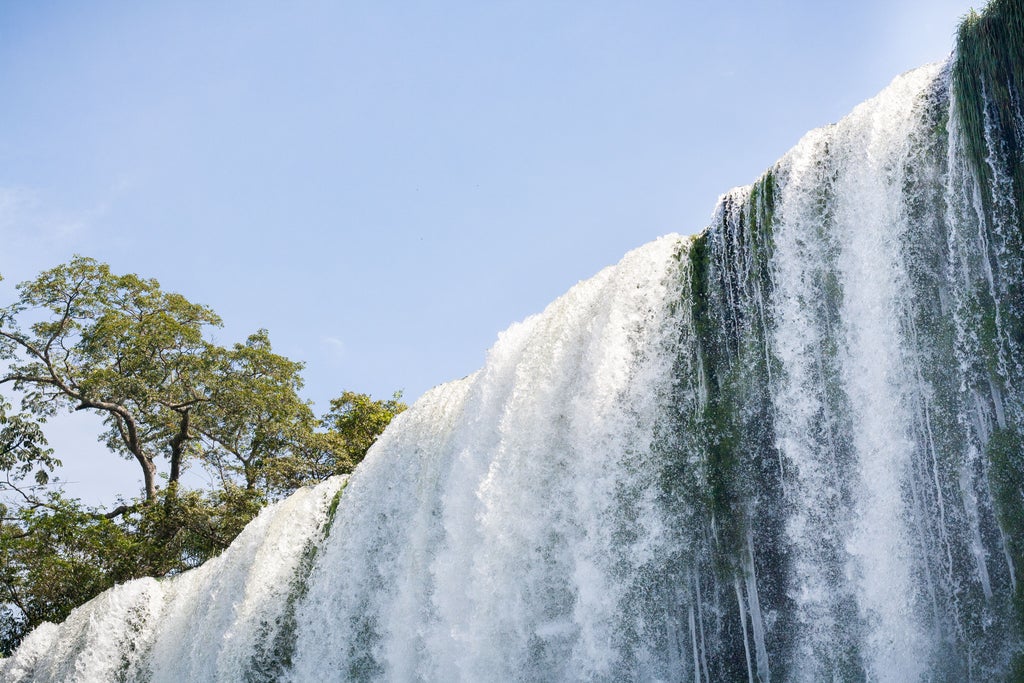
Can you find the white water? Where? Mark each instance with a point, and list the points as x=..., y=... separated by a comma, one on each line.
x=559, y=515
x=210, y=623
x=857, y=244
x=484, y=535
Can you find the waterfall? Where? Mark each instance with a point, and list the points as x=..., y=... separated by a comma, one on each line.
x=229, y=620
x=787, y=448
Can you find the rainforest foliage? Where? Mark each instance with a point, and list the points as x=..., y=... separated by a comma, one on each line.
x=82, y=339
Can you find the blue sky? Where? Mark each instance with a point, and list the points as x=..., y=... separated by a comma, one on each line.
x=387, y=185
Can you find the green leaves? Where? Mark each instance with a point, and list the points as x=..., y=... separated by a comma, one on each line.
x=358, y=420
x=52, y=559
x=120, y=346
x=254, y=412
x=23, y=448
x=81, y=338
x=334, y=444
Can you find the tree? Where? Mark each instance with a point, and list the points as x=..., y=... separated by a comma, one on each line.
x=81, y=338
x=23, y=451
x=254, y=414
x=344, y=435
x=357, y=420
x=116, y=345
x=54, y=555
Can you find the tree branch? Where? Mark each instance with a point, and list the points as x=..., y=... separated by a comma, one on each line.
x=118, y=511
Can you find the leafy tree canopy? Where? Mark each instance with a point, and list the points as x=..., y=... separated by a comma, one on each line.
x=81, y=338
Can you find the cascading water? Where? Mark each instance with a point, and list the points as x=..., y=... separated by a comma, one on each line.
x=787, y=448
x=228, y=620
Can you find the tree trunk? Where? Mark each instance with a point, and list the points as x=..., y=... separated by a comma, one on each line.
x=148, y=475
x=178, y=447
